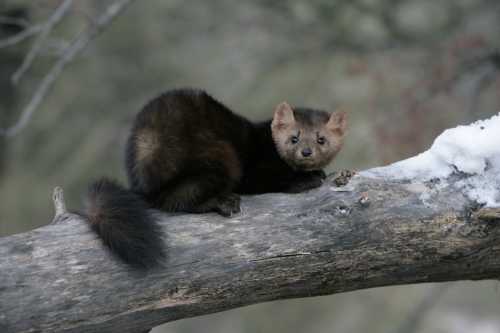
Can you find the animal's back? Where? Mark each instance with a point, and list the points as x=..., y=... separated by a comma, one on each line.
x=179, y=132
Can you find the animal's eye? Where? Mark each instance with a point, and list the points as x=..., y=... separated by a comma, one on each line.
x=294, y=139
x=321, y=140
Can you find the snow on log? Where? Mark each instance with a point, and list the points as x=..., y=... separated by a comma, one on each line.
x=430, y=218
x=472, y=152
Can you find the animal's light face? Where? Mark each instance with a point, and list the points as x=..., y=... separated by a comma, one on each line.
x=307, y=139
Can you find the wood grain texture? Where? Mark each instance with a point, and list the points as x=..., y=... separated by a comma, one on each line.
x=369, y=233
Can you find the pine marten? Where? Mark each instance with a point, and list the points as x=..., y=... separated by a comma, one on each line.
x=187, y=152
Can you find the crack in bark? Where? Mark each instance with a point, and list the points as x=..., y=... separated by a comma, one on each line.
x=288, y=255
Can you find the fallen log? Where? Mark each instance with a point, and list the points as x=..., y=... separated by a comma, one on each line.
x=368, y=233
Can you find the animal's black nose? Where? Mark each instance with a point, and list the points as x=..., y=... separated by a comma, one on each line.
x=306, y=152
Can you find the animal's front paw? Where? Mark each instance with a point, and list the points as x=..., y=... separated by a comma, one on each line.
x=342, y=177
x=228, y=205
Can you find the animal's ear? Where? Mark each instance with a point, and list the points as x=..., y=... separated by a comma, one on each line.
x=283, y=116
x=337, y=123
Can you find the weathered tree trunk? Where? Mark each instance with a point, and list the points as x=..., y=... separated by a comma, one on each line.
x=369, y=233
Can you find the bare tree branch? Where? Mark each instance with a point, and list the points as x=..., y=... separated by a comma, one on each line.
x=22, y=23
x=54, y=19
x=78, y=44
x=25, y=34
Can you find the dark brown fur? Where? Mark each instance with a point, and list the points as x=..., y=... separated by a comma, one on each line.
x=188, y=152
x=185, y=153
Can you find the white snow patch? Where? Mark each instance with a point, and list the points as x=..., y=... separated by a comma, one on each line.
x=473, y=150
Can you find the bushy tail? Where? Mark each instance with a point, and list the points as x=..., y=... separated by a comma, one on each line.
x=122, y=220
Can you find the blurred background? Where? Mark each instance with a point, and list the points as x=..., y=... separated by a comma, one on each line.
x=404, y=70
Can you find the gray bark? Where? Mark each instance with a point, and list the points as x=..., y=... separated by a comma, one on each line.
x=369, y=233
